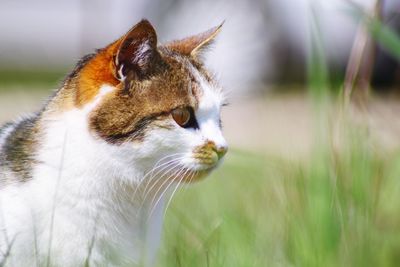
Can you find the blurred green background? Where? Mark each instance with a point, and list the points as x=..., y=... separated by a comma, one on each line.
x=313, y=174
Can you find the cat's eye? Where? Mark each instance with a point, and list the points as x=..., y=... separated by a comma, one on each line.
x=181, y=116
x=184, y=117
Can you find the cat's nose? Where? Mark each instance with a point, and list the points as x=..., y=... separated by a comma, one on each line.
x=219, y=149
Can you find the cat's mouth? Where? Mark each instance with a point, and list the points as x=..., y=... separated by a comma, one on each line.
x=194, y=167
x=204, y=162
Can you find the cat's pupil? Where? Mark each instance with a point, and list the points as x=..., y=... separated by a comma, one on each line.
x=184, y=117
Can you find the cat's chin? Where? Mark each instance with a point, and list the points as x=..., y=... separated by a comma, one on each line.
x=197, y=175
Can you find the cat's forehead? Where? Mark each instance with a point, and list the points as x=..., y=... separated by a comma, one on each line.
x=184, y=82
x=198, y=81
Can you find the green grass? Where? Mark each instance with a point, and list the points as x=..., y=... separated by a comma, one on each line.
x=339, y=207
x=336, y=209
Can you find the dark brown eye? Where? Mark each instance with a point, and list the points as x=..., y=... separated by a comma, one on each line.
x=181, y=116
x=185, y=117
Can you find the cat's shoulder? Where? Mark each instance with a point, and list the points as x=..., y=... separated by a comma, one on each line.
x=5, y=131
x=17, y=141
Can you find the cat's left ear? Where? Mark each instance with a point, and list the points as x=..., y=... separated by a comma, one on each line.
x=193, y=46
x=137, y=54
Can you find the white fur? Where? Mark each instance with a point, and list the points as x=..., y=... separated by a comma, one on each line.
x=208, y=113
x=84, y=198
x=141, y=52
x=122, y=77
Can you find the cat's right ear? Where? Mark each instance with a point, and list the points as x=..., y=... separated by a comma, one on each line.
x=137, y=53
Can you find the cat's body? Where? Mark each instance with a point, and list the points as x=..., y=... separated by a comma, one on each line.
x=83, y=181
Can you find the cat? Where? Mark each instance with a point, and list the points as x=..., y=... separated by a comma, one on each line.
x=83, y=181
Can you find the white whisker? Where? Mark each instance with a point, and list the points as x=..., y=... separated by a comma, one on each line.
x=154, y=175
x=166, y=171
x=164, y=182
x=163, y=166
x=151, y=172
x=173, y=193
x=166, y=189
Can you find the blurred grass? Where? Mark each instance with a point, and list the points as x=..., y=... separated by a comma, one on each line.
x=36, y=79
x=340, y=207
x=385, y=36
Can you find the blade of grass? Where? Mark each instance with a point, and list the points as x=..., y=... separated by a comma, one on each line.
x=361, y=61
x=380, y=32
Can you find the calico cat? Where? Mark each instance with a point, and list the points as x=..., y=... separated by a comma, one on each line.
x=83, y=180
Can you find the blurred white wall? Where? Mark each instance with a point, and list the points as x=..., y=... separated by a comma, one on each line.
x=38, y=32
x=240, y=55
x=44, y=33
x=336, y=23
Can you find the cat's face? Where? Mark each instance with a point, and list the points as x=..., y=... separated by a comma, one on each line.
x=163, y=109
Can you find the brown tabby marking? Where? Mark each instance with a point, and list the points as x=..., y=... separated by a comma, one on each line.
x=17, y=151
x=125, y=115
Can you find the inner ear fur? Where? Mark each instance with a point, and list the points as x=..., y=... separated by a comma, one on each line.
x=137, y=54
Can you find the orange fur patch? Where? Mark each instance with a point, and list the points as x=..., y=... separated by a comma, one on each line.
x=98, y=71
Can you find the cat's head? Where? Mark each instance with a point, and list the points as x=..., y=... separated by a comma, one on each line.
x=156, y=103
